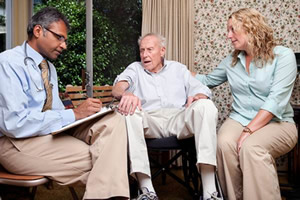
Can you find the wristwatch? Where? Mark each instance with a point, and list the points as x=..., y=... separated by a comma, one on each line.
x=247, y=130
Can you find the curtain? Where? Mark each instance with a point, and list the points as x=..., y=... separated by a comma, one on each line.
x=21, y=10
x=173, y=19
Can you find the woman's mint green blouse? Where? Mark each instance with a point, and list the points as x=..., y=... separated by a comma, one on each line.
x=268, y=88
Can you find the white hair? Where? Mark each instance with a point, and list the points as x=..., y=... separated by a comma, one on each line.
x=162, y=40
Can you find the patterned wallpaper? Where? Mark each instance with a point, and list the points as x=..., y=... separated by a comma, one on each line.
x=211, y=45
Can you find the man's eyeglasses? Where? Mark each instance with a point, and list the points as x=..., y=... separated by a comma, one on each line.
x=58, y=36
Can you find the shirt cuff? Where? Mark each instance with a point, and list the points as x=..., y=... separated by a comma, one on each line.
x=68, y=116
x=273, y=108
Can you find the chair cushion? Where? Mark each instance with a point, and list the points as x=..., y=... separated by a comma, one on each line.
x=7, y=175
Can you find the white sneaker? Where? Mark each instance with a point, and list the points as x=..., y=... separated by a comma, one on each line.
x=146, y=195
x=214, y=196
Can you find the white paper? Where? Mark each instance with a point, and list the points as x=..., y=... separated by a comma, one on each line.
x=103, y=111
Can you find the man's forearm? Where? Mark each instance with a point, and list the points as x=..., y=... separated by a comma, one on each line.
x=119, y=89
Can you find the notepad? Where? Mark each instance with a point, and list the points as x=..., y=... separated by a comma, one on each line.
x=102, y=112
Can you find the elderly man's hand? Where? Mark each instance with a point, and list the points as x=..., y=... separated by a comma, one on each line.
x=129, y=102
x=87, y=108
x=191, y=99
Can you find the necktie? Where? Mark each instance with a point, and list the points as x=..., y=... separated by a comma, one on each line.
x=48, y=87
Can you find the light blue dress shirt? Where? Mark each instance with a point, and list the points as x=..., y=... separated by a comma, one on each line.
x=22, y=96
x=168, y=88
x=268, y=88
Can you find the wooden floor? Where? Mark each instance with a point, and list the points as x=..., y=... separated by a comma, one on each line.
x=170, y=191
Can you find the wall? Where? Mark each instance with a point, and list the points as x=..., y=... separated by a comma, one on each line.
x=211, y=45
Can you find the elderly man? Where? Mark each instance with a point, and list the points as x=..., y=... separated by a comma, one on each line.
x=30, y=109
x=160, y=98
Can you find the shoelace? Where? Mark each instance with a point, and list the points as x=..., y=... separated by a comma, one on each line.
x=214, y=196
x=148, y=196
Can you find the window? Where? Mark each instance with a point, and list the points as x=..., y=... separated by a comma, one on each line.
x=124, y=19
x=116, y=28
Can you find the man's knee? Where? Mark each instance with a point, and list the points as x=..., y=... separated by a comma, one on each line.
x=138, y=114
x=205, y=106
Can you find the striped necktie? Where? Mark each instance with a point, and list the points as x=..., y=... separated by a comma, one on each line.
x=48, y=103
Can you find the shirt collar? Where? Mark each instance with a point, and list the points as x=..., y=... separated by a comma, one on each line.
x=242, y=58
x=31, y=53
x=241, y=55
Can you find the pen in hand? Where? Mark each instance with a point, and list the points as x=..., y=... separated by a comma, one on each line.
x=87, y=108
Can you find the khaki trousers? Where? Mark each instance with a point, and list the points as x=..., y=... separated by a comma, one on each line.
x=252, y=175
x=198, y=120
x=96, y=156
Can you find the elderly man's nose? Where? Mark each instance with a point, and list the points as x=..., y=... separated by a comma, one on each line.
x=145, y=54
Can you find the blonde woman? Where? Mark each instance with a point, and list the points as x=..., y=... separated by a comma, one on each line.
x=260, y=127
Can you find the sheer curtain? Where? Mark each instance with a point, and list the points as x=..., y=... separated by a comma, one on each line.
x=174, y=20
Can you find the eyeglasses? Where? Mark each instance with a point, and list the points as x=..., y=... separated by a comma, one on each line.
x=58, y=36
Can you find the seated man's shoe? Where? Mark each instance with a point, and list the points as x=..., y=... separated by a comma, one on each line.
x=214, y=196
x=146, y=195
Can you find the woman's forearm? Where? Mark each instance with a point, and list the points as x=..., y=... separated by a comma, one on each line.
x=262, y=118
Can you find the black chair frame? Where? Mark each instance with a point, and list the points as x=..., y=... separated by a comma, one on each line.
x=186, y=150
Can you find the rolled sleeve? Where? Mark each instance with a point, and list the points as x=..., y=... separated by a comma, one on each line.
x=128, y=75
x=283, y=83
x=196, y=87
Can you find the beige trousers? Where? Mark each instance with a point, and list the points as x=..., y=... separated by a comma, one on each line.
x=198, y=120
x=96, y=156
x=252, y=175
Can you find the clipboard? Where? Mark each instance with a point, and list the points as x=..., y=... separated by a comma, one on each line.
x=103, y=111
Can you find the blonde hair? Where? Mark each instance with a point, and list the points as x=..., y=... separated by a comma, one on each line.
x=260, y=35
